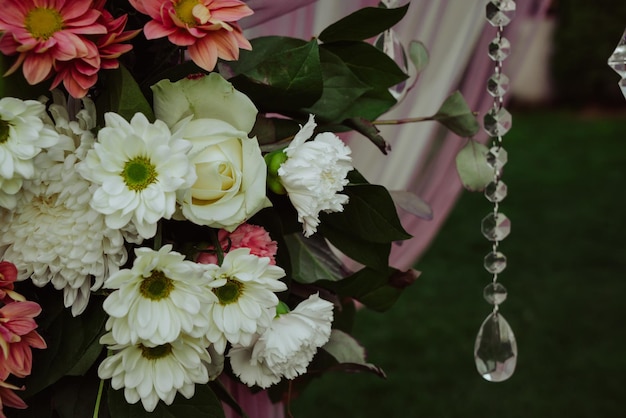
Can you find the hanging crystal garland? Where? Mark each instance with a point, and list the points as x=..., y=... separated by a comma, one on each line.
x=495, y=350
x=617, y=61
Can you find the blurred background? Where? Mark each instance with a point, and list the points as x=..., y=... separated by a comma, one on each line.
x=566, y=273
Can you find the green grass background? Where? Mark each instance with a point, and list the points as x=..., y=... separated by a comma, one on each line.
x=566, y=279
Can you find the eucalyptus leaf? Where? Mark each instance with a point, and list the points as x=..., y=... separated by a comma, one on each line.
x=363, y=24
x=412, y=203
x=347, y=351
x=471, y=164
x=456, y=115
x=202, y=404
x=419, y=55
x=369, y=215
x=312, y=259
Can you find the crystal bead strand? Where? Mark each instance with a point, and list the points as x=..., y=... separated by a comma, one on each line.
x=495, y=350
x=617, y=61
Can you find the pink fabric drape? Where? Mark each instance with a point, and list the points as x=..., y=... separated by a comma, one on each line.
x=460, y=51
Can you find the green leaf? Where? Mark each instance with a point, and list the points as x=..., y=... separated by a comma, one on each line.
x=456, y=115
x=341, y=89
x=418, y=55
x=368, y=63
x=312, y=259
x=371, y=254
x=203, y=404
x=369, y=215
x=363, y=24
x=471, y=164
x=279, y=74
x=75, y=397
x=69, y=339
x=15, y=85
x=269, y=130
x=121, y=94
x=370, y=131
x=412, y=203
x=348, y=352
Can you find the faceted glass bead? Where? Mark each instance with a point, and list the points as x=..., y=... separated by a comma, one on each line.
x=495, y=262
x=389, y=43
x=498, y=85
x=497, y=122
x=495, y=350
x=497, y=157
x=499, y=48
x=496, y=227
x=500, y=12
x=617, y=61
x=622, y=85
x=494, y=293
x=495, y=191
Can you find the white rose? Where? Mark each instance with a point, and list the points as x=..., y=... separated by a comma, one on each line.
x=230, y=167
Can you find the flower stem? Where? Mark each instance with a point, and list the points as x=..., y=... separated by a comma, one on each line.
x=219, y=252
x=403, y=121
x=96, y=409
x=158, y=237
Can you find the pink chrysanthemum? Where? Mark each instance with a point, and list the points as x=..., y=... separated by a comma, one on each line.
x=43, y=32
x=207, y=27
x=17, y=336
x=254, y=237
x=8, y=276
x=9, y=398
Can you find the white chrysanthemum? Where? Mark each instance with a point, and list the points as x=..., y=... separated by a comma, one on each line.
x=151, y=372
x=313, y=174
x=162, y=296
x=244, y=285
x=138, y=167
x=53, y=235
x=22, y=137
x=287, y=347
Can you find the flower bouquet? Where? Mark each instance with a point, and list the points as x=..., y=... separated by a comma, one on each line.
x=177, y=210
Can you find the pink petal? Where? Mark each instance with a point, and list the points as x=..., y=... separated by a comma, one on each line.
x=155, y=30
x=231, y=12
x=20, y=309
x=204, y=54
x=37, y=68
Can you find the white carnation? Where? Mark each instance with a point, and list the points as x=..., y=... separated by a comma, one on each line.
x=286, y=347
x=313, y=174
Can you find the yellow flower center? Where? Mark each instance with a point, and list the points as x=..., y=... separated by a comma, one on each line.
x=42, y=22
x=157, y=286
x=192, y=12
x=4, y=131
x=230, y=292
x=154, y=353
x=139, y=173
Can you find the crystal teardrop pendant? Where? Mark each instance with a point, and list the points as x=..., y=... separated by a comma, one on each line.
x=495, y=350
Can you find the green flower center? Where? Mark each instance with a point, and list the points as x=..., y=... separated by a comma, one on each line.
x=4, y=131
x=139, y=173
x=157, y=286
x=184, y=11
x=154, y=353
x=230, y=292
x=42, y=22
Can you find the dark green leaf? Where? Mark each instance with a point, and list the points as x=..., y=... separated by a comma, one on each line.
x=456, y=115
x=122, y=95
x=204, y=404
x=471, y=164
x=368, y=63
x=279, y=74
x=341, y=89
x=270, y=130
x=370, y=215
x=69, y=339
x=363, y=24
x=15, y=85
x=348, y=352
x=371, y=254
x=369, y=130
x=375, y=289
x=312, y=259
x=75, y=397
